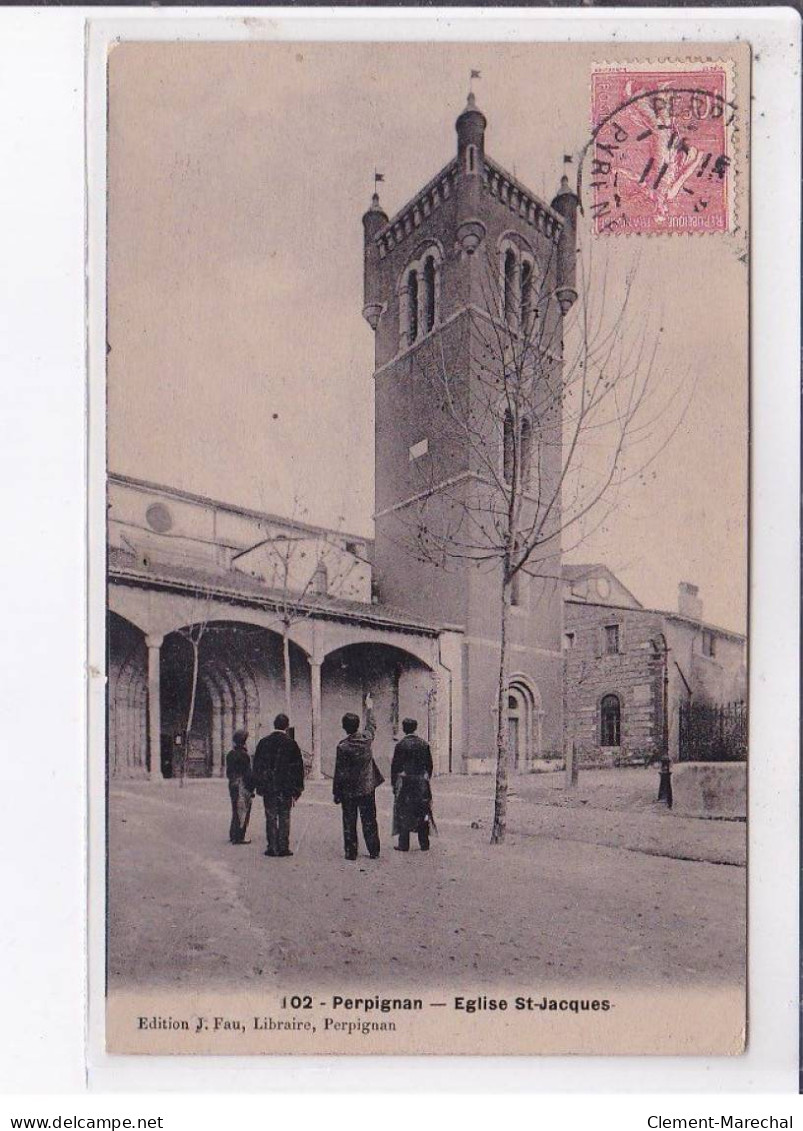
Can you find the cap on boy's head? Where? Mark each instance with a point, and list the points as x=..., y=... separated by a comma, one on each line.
x=409, y=726
x=240, y=737
x=350, y=723
x=281, y=722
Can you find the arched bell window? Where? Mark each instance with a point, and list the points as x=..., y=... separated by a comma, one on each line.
x=429, y=293
x=610, y=721
x=509, y=284
x=419, y=298
x=526, y=294
x=517, y=283
x=412, y=305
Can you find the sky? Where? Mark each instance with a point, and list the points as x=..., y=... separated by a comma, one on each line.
x=240, y=366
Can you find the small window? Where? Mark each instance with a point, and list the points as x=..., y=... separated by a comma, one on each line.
x=471, y=158
x=612, y=639
x=509, y=449
x=610, y=721
x=320, y=579
x=516, y=590
x=526, y=452
x=508, y=454
x=418, y=450
x=709, y=644
x=568, y=641
x=159, y=518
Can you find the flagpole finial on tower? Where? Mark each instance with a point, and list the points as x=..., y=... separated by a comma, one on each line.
x=471, y=101
x=378, y=179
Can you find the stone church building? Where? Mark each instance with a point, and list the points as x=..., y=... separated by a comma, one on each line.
x=254, y=607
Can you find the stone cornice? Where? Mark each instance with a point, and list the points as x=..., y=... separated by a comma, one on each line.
x=408, y=219
x=523, y=203
x=497, y=182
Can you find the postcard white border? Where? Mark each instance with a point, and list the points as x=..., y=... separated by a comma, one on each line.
x=770, y=1064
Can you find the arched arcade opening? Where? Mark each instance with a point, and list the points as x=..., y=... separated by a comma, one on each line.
x=401, y=685
x=127, y=702
x=239, y=684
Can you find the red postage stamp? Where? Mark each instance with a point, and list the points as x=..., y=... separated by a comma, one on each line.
x=659, y=155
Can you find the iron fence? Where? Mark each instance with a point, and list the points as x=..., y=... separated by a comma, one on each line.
x=710, y=732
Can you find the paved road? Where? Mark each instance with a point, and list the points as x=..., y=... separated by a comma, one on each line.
x=187, y=908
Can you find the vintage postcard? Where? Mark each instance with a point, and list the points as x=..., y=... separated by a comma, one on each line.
x=426, y=485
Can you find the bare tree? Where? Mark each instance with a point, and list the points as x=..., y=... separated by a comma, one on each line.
x=298, y=565
x=193, y=633
x=554, y=411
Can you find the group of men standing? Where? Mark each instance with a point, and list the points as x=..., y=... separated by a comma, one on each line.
x=277, y=775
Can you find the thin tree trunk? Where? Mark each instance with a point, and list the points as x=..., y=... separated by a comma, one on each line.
x=191, y=714
x=288, y=681
x=502, y=728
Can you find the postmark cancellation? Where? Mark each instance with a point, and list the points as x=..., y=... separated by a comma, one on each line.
x=664, y=148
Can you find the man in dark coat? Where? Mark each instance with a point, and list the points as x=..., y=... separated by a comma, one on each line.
x=410, y=772
x=356, y=779
x=278, y=774
x=238, y=771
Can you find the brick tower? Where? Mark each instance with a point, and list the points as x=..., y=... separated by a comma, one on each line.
x=426, y=277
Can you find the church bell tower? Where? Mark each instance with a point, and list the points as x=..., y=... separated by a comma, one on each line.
x=426, y=273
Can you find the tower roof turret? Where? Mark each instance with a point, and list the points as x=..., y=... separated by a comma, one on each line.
x=564, y=188
x=566, y=204
x=375, y=207
x=375, y=218
x=471, y=125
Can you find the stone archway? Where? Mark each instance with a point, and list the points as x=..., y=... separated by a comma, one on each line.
x=401, y=685
x=525, y=715
x=240, y=685
x=127, y=704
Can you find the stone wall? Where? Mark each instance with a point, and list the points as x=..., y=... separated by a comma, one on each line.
x=710, y=789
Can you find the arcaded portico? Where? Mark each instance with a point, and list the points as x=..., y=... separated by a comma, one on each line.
x=338, y=651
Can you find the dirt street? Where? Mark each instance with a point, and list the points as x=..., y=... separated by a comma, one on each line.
x=577, y=893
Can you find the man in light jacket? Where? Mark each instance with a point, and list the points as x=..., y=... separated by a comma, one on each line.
x=355, y=782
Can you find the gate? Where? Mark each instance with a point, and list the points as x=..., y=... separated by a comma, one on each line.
x=709, y=732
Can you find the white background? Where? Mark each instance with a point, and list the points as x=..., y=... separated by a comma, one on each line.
x=43, y=642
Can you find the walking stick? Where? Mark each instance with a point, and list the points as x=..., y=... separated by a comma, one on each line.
x=300, y=840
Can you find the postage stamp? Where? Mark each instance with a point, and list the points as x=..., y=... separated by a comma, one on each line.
x=660, y=158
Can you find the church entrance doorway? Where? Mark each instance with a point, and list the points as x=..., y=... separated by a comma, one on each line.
x=515, y=733
x=524, y=715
